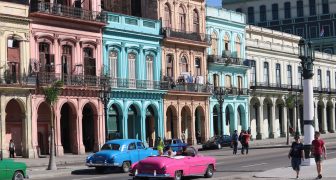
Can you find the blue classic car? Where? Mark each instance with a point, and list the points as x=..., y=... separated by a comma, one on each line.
x=175, y=144
x=120, y=153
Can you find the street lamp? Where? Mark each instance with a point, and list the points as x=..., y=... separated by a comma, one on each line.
x=104, y=95
x=220, y=93
x=307, y=56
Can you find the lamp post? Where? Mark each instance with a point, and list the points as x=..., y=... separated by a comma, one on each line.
x=104, y=95
x=220, y=93
x=307, y=57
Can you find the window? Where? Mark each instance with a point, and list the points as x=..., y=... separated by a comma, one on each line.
x=328, y=81
x=196, y=22
x=312, y=7
x=169, y=65
x=299, y=8
x=239, y=10
x=300, y=32
x=149, y=67
x=275, y=12
x=300, y=77
x=131, y=69
x=278, y=75
x=182, y=19
x=167, y=16
x=131, y=146
x=140, y=145
x=287, y=10
x=111, y=147
x=253, y=72
x=184, y=64
x=262, y=10
x=289, y=76
x=47, y=60
x=228, y=81
x=250, y=14
x=216, y=80
x=326, y=29
x=113, y=56
x=214, y=44
x=238, y=47
x=198, y=66
x=313, y=31
x=319, y=79
x=266, y=73
x=66, y=60
x=226, y=43
x=240, y=83
x=325, y=7
x=89, y=62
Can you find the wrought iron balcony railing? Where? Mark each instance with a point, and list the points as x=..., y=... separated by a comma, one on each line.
x=274, y=86
x=68, y=11
x=234, y=91
x=137, y=84
x=194, y=36
x=228, y=60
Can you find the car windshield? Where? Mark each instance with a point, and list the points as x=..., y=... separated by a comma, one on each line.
x=111, y=147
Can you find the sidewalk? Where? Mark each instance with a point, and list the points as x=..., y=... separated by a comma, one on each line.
x=306, y=172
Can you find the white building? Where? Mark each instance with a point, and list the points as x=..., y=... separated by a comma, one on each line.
x=276, y=84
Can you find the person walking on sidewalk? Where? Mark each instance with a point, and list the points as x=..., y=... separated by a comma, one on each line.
x=296, y=153
x=240, y=139
x=318, y=149
x=245, y=142
x=234, y=139
x=11, y=148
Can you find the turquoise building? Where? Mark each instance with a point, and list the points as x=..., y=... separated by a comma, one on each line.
x=132, y=60
x=227, y=70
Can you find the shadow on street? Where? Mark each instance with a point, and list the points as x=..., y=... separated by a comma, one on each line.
x=92, y=171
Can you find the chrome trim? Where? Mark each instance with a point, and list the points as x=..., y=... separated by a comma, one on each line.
x=102, y=164
x=152, y=175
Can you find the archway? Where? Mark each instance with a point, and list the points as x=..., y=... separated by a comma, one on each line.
x=43, y=123
x=199, y=125
x=133, y=123
x=186, y=124
x=151, y=125
x=241, y=118
x=15, y=125
x=114, y=122
x=229, y=119
x=217, y=123
x=68, y=135
x=88, y=128
x=320, y=116
x=171, y=125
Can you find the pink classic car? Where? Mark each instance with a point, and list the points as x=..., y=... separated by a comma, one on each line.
x=187, y=164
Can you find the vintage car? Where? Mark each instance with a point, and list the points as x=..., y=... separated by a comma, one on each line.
x=176, y=167
x=12, y=170
x=175, y=144
x=120, y=153
x=217, y=142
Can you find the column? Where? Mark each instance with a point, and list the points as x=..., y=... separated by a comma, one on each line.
x=124, y=124
x=295, y=119
x=324, y=118
x=28, y=128
x=79, y=134
x=332, y=118
x=284, y=121
x=192, y=126
x=58, y=142
x=272, y=130
x=143, y=127
x=260, y=122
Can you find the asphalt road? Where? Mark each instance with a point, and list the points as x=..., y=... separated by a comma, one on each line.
x=228, y=166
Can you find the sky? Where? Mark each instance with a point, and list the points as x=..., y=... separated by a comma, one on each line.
x=214, y=3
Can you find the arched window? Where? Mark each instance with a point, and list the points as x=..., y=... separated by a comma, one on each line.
x=228, y=81
x=89, y=62
x=149, y=67
x=238, y=47
x=167, y=16
x=195, y=22
x=131, y=70
x=226, y=42
x=47, y=60
x=182, y=19
x=113, y=57
x=169, y=65
x=184, y=64
x=214, y=50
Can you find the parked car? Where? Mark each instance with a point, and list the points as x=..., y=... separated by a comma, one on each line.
x=120, y=153
x=217, y=142
x=11, y=170
x=191, y=163
x=175, y=144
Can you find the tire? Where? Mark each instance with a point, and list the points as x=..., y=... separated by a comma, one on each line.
x=100, y=169
x=125, y=167
x=219, y=146
x=178, y=175
x=209, y=172
x=18, y=175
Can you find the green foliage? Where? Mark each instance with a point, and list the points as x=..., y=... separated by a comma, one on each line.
x=52, y=92
x=290, y=101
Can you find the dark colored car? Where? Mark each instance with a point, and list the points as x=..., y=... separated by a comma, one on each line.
x=175, y=144
x=217, y=142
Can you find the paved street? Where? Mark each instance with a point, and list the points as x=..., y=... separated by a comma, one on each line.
x=228, y=166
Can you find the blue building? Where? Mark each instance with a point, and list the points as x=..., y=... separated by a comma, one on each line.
x=227, y=71
x=132, y=59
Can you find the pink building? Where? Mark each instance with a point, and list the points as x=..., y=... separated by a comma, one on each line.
x=66, y=45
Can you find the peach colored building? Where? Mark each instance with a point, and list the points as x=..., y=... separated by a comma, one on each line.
x=66, y=44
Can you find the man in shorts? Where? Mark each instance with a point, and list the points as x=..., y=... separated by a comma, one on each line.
x=318, y=149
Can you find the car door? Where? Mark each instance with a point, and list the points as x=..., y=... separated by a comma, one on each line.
x=133, y=152
x=3, y=170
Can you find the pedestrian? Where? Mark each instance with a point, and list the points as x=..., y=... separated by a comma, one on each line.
x=245, y=140
x=318, y=149
x=160, y=145
x=11, y=148
x=240, y=139
x=296, y=153
x=234, y=139
x=183, y=136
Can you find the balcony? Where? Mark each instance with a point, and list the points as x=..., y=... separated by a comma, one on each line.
x=227, y=60
x=275, y=86
x=58, y=10
x=137, y=84
x=180, y=34
x=233, y=91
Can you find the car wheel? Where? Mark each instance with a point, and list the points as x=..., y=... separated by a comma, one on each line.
x=126, y=166
x=209, y=172
x=100, y=169
x=18, y=176
x=178, y=175
x=219, y=146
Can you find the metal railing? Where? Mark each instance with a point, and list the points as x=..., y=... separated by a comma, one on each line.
x=227, y=60
x=68, y=11
x=234, y=91
x=274, y=86
x=137, y=84
x=194, y=36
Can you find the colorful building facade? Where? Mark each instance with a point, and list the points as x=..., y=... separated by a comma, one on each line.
x=227, y=69
x=132, y=59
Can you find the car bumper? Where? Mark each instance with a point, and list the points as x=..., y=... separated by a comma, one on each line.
x=103, y=164
x=145, y=175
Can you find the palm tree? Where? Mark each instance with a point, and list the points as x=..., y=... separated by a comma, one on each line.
x=51, y=94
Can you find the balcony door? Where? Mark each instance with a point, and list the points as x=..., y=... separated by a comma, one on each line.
x=13, y=61
x=113, y=56
x=89, y=62
x=131, y=70
x=149, y=71
x=182, y=19
x=66, y=62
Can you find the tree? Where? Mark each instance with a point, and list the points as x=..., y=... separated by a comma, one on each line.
x=51, y=94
